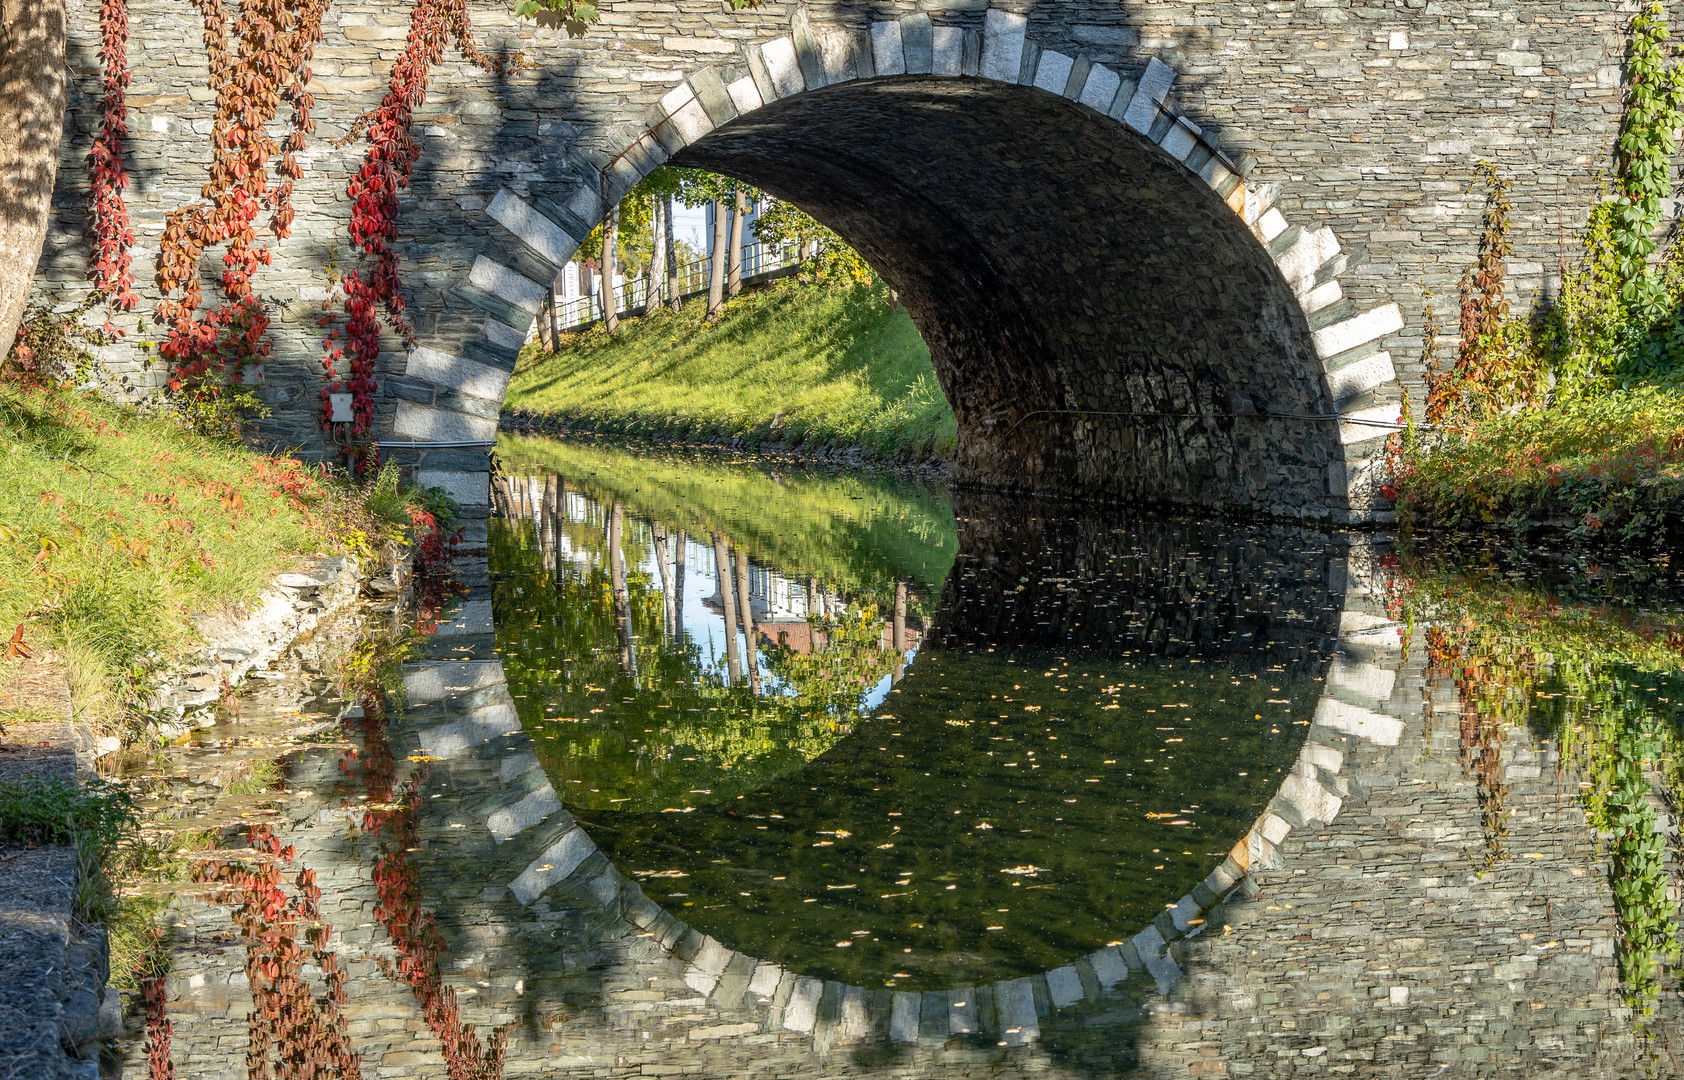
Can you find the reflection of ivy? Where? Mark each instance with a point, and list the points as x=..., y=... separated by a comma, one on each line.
x=1606, y=682
x=1487, y=706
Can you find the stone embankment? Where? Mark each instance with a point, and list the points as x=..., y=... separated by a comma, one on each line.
x=55, y=1007
x=240, y=642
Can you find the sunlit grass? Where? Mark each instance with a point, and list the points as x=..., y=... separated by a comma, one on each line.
x=117, y=529
x=1612, y=463
x=819, y=365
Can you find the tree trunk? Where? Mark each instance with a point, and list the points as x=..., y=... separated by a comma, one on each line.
x=716, y=268
x=672, y=255
x=663, y=564
x=722, y=569
x=610, y=267
x=622, y=595
x=734, y=282
x=751, y=656
x=546, y=321
x=897, y=630
x=678, y=549
x=657, y=258
x=31, y=127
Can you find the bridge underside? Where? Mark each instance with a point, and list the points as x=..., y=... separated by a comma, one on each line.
x=1102, y=323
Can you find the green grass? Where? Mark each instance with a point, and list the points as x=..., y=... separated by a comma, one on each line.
x=116, y=529
x=1605, y=466
x=808, y=364
x=95, y=820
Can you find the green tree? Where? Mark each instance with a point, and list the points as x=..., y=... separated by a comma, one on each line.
x=830, y=259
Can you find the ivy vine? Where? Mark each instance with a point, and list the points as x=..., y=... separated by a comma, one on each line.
x=108, y=213
x=267, y=67
x=373, y=290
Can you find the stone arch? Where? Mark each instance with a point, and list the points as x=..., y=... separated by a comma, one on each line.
x=1301, y=451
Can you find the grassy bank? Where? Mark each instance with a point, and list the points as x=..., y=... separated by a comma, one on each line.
x=798, y=364
x=1607, y=466
x=116, y=529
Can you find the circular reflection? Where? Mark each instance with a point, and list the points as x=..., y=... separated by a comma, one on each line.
x=1067, y=740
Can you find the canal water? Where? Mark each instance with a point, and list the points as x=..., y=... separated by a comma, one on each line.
x=723, y=768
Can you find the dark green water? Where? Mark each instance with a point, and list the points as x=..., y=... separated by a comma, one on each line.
x=1081, y=720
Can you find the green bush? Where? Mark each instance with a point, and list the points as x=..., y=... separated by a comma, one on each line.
x=1611, y=465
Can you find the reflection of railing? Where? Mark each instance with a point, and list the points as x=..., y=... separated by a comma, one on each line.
x=633, y=295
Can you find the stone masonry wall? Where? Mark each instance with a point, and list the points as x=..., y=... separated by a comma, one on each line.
x=1344, y=133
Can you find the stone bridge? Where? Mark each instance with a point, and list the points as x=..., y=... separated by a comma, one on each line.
x=1160, y=251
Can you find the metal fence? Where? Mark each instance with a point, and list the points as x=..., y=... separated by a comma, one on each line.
x=692, y=279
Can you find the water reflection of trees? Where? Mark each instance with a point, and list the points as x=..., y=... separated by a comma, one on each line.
x=629, y=711
x=1602, y=676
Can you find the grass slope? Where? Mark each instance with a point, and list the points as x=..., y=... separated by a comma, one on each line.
x=116, y=528
x=799, y=364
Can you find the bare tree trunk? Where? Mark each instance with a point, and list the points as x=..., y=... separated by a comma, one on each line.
x=610, y=260
x=546, y=321
x=716, y=269
x=662, y=563
x=897, y=631
x=678, y=550
x=656, y=273
x=673, y=286
x=734, y=281
x=622, y=595
x=31, y=127
x=722, y=569
x=751, y=656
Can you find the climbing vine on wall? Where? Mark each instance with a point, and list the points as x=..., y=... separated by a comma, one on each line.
x=373, y=289
x=1496, y=366
x=1654, y=110
x=108, y=214
x=267, y=66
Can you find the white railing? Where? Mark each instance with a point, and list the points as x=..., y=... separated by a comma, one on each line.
x=692, y=279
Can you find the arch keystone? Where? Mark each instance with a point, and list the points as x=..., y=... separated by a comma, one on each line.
x=917, y=39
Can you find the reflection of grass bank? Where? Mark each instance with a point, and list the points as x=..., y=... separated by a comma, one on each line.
x=1605, y=680
x=1602, y=466
x=115, y=529
x=856, y=534
x=802, y=365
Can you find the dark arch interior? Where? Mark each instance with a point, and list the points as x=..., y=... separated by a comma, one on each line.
x=1102, y=323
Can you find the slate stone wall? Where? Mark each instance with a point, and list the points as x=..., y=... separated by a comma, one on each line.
x=1342, y=135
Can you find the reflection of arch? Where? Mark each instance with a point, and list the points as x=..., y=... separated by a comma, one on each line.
x=526, y=819
x=1171, y=412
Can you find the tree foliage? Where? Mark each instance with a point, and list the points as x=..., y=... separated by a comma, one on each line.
x=832, y=259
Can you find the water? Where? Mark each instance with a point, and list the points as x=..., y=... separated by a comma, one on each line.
x=734, y=770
